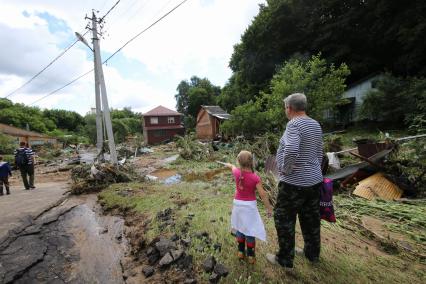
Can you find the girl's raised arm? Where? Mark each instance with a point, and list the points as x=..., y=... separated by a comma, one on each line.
x=228, y=165
x=265, y=198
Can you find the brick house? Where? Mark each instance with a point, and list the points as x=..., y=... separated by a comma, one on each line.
x=161, y=124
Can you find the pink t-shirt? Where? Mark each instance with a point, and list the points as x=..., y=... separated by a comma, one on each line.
x=249, y=182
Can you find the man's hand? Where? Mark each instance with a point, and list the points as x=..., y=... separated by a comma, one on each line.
x=269, y=212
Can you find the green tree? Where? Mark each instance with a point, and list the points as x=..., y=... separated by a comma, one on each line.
x=396, y=100
x=322, y=83
x=191, y=95
x=369, y=36
x=248, y=119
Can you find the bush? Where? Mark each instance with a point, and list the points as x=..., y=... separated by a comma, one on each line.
x=7, y=144
x=191, y=149
x=399, y=101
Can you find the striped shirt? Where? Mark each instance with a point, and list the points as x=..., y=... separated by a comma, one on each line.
x=300, y=152
x=29, y=152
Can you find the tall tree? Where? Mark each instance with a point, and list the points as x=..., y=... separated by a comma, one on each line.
x=322, y=83
x=369, y=36
x=192, y=94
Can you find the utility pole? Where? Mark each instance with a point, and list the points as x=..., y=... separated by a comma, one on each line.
x=101, y=81
x=99, y=124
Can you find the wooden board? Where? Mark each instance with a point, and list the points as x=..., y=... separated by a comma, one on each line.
x=377, y=186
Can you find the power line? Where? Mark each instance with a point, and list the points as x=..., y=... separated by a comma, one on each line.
x=144, y=30
x=57, y=57
x=42, y=70
x=112, y=8
x=57, y=90
x=117, y=51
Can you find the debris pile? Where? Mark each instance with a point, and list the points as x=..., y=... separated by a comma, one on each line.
x=191, y=149
x=93, y=178
x=383, y=171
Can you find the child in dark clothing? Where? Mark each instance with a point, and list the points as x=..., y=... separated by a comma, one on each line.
x=5, y=172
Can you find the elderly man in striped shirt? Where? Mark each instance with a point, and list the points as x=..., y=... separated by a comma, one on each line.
x=299, y=159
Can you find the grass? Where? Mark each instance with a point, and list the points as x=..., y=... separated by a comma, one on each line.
x=346, y=256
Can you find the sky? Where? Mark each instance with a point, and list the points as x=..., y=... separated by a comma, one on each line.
x=197, y=39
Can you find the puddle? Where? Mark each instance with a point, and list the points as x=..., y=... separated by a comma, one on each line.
x=163, y=173
x=165, y=176
x=204, y=176
x=173, y=179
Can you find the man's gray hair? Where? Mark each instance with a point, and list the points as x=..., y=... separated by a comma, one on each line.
x=296, y=101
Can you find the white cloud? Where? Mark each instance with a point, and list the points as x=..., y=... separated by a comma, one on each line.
x=197, y=39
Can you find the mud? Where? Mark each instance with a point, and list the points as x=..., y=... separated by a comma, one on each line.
x=203, y=176
x=71, y=243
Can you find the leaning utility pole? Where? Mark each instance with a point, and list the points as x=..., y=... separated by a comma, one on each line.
x=99, y=124
x=99, y=79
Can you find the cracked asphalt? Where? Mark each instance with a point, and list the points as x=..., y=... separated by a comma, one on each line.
x=52, y=238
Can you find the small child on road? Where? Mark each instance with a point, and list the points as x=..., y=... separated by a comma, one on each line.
x=245, y=218
x=5, y=172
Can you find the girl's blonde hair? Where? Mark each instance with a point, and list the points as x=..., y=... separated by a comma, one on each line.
x=245, y=160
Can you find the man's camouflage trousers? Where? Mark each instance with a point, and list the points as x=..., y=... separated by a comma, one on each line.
x=302, y=201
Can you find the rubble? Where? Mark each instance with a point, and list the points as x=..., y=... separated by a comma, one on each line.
x=148, y=271
x=221, y=270
x=166, y=260
x=94, y=178
x=164, y=246
x=209, y=264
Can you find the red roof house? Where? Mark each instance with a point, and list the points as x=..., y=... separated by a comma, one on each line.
x=161, y=124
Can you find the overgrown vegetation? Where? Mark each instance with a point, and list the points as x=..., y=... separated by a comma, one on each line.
x=7, y=144
x=322, y=83
x=191, y=149
x=358, y=33
x=397, y=101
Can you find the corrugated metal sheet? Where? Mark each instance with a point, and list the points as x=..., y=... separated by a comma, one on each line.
x=377, y=186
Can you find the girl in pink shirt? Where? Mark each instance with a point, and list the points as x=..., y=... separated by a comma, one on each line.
x=245, y=218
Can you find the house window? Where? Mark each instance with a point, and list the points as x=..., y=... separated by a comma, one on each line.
x=171, y=120
x=154, y=120
x=159, y=133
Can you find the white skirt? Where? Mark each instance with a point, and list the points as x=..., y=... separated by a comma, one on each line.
x=245, y=218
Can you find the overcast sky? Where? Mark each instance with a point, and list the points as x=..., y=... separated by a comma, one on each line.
x=197, y=39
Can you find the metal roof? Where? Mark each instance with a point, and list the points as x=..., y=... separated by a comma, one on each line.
x=217, y=111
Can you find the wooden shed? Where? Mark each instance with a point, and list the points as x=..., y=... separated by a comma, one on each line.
x=209, y=119
x=161, y=124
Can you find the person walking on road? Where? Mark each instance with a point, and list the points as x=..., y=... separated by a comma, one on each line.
x=24, y=160
x=5, y=172
x=299, y=158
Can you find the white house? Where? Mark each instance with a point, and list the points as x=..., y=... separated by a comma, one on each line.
x=354, y=95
